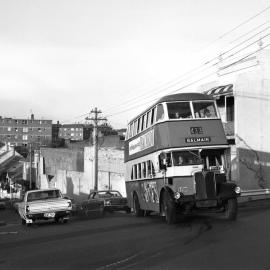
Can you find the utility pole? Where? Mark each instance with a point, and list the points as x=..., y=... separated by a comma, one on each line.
x=30, y=175
x=95, y=120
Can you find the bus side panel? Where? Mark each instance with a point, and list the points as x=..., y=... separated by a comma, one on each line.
x=148, y=192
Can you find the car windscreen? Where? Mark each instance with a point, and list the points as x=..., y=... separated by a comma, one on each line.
x=109, y=194
x=43, y=195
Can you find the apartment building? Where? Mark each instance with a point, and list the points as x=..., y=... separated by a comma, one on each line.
x=22, y=132
x=75, y=132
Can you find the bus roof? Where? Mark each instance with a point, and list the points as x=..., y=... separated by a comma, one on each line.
x=176, y=97
x=185, y=97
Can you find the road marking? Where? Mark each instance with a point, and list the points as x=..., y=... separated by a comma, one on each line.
x=2, y=233
x=118, y=262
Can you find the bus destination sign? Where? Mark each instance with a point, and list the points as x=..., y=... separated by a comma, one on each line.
x=198, y=139
x=141, y=143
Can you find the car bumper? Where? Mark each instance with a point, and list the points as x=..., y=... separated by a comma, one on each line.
x=30, y=218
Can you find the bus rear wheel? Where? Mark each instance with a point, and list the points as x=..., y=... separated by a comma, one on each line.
x=169, y=208
x=136, y=206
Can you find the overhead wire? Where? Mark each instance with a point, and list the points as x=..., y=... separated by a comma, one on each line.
x=173, y=83
x=210, y=66
x=196, y=81
x=238, y=26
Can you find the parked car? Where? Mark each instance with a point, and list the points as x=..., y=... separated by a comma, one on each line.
x=91, y=207
x=44, y=204
x=112, y=200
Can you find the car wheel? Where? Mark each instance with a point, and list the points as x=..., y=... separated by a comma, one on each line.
x=128, y=210
x=23, y=221
x=231, y=209
x=136, y=206
x=65, y=220
x=169, y=208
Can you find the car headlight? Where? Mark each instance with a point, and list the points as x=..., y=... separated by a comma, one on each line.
x=107, y=202
x=177, y=195
x=237, y=190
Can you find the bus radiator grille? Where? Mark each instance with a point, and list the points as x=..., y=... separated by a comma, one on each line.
x=205, y=186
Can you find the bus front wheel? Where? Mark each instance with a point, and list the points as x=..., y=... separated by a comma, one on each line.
x=136, y=206
x=169, y=207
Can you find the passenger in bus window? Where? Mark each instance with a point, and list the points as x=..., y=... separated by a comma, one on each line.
x=180, y=160
x=207, y=113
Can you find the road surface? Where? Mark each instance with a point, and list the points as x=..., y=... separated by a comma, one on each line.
x=120, y=241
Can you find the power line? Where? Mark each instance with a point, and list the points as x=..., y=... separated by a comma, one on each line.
x=257, y=27
x=206, y=63
x=171, y=83
x=238, y=26
x=205, y=69
x=192, y=83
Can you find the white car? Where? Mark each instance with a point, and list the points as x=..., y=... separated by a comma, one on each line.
x=44, y=204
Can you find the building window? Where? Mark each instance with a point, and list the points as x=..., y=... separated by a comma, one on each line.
x=25, y=137
x=24, y=122
x=9, y=129
x=25, y=129
x=39, y=129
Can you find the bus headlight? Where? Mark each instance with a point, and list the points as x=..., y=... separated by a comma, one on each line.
x=177, y=195
x=237, y=190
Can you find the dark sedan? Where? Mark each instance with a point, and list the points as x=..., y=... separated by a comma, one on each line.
x=112, y=199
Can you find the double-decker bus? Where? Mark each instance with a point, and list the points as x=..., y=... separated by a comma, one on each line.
x=177, y=159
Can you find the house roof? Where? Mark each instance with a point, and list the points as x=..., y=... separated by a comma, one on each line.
x=13, y=166
x=220, y=90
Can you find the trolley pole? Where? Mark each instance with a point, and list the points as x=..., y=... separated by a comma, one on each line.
x=95, y=120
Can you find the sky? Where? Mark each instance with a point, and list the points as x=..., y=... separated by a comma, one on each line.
x=59, y=59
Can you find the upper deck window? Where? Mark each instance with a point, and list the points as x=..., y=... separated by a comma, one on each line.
x=153, y=116
x=179, y=110
x=204, y=109
x=160, y=112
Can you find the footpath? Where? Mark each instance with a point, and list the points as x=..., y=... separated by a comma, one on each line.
x=8, y=215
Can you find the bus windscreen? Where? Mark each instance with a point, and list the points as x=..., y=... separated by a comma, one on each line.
x=179, y=110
